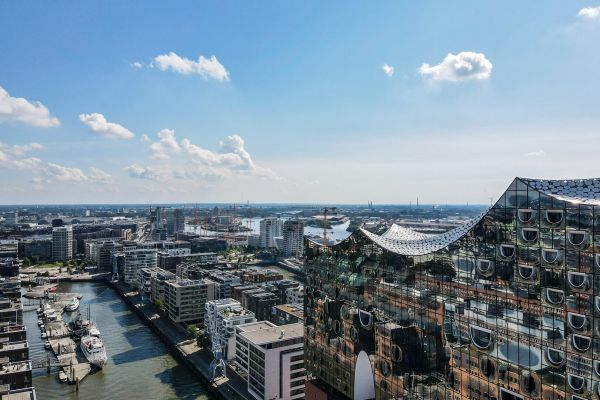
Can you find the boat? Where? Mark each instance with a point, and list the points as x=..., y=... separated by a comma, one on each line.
x=72, y=305
x=44, y=335
x=93, y=348
x=62, y=377
x=40, y=322
x=47, y=345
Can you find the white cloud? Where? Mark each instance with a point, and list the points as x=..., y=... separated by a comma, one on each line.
x=208, y=68
x=466, y=65
x=20, y=110
x=590, y=13
x=388, y=69
x=65, y=174
x=100, y=126
x=99, y=176
x=160, y=149
x=144, y=138
x=137, y=65
x=140, y=172
x=193, y=161
x=537, y=153
x=9, y=156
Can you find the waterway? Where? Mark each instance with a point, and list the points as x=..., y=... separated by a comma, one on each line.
x=139, y=365
x=336, y=232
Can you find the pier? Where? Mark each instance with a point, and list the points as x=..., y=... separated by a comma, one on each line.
x=74, y=366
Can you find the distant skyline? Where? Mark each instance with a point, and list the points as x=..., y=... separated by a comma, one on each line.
x=294, y=102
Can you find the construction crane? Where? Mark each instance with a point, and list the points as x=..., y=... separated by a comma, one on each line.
x=326, y=211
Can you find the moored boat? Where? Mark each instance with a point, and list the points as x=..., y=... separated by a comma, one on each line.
x=73, y=305
x=93, y=348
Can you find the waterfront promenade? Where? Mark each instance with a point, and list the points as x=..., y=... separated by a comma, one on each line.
x=187, y=351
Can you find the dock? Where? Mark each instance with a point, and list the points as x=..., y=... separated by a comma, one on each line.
x=68, y=355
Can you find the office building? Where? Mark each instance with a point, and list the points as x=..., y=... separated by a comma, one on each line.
x=9, y=248
x=62, y=243
x=11, y=218
x=174, y=220
x=158, y=279
x=284, y=314
x=135, y=260
x=293, y=239
x=185, y=299
x=269, y=229
x=271, y=359
x=295, y=295
x=502, y=307
x=37, y=249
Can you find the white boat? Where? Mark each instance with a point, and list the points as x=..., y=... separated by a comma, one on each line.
x=72, y=305
x=93, y=348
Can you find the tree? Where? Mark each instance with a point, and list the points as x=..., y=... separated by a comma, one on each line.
x=193, y=332
x=26, y=262
x=160, y=305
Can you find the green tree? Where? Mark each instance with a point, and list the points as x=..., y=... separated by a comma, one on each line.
x=26, y=262
x=193, y=332
x=160, y=305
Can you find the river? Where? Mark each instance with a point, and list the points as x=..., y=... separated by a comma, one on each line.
x=139, y=365
x=336, y=232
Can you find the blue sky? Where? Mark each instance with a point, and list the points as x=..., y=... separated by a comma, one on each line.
x=296, y=105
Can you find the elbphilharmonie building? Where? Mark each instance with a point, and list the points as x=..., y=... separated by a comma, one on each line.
x=506, y=307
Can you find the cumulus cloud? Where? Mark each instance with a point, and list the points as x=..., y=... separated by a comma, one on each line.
x=61, y=173
x=537, y=153
x=137, y=65
x=98, y=176
x=10, y=156
x=207, y=68
x=463, y=66
x=196, y=162
x=166, y=143
x=590, y=13
x=65, y=174
x=100, y=126
x=149, y=173
x=21, y=110
x=388, y=70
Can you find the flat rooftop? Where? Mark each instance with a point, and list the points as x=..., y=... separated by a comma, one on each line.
x=264, y=332
x=293, y=309
x=17, y=394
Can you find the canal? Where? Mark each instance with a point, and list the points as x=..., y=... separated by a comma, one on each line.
x=139, y=365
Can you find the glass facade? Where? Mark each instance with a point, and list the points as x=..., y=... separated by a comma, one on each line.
x=505, y=308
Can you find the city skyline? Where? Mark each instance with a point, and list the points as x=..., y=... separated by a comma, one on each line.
x=230, y=103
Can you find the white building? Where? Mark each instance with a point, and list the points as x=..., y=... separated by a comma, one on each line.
x=269, y=229
x=185, y=299
x=222, y=316
x=294, y=295
x=293, y=238
x=62, y=243
x=135, y=260
x=271, y=359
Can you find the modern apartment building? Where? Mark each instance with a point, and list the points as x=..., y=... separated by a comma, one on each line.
x=295, y=295
x=270, y=228
x=271, y=359
x=222, y=317
x=293, y=238
x=62, y=243
x=504, y=307
x=185, y=299
x=158, y=279
x=135, y=260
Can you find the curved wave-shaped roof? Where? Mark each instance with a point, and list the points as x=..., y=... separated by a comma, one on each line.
x=579, y=191
x=398, y=232
x=410, y=243
x=429, y=244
